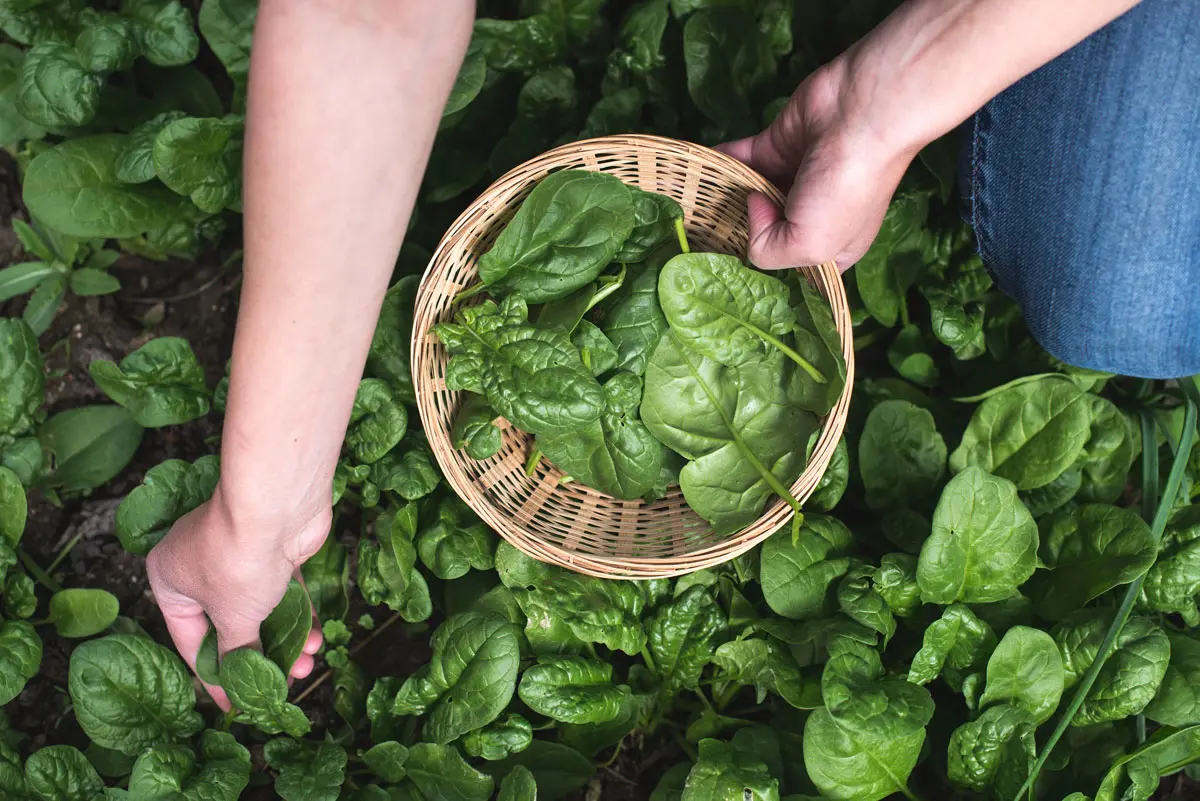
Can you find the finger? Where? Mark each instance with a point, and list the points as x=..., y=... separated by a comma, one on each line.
x=236, y=630
x=188, y=625
x=314, y=641
x=303, y=667
x=770, y=234
x=741, y=149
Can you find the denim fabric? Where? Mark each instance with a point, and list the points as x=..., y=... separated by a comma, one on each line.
x=1082, y=183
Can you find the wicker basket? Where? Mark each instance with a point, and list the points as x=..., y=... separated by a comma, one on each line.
x=573, y=525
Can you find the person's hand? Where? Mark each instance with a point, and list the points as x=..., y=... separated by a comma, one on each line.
x=232, y=569
x=838, y=169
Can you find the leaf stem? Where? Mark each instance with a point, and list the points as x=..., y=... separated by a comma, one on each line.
x=62, y=554
x=1016, y=382
x=649, y=660
x=1163, y=511
x=471, y=291
x=681, y=232
x=531, y=463
x=39, y=575
x=804, y=364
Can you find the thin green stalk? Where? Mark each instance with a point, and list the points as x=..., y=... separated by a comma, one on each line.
x=1149, y=465
x=1016, y=382
x=804, y=364
x=535, y=457
x=649, y=660
x=62, y=554
x=38, y=574
x=681, y=232
x=470, y=292
x=1162, y=512
x=684, y=745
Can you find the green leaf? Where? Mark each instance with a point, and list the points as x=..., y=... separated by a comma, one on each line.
x=14, y=127
x=1130, y=677
x=1025, y=671
x=87, y=446
x=682, y=636
x=724, y=771
x=1108, y=454
x=170, y=772
x=768, y=668
x=87, y=282
x=161, y=383
x=74, y=189
x=909, y=356
x=131, y=693
x=519, y=785
x=984, y=542
x=1029, y=434
x=62, y=773
x=994, y=752
x=572, y=689
x=558, y=769
x=286, y=629
x=13, y=507
x=654, y=219
x=901, y=456
x=200, y=158
x=499, y=739
x=377, y=422
x=564, y=234
x=20, y=598
x=1177, y=702
x=456, y=541
x=1089, y=549
x=227, y=26
x=164, y=31
x=18, y=279
x=958, y=641
x=861, y=602
x=386, y=760
x=135, y=163
x=470, y=678
x=106, y=43
x=475, y=430
x=727, y=59
x=20, y=657
x=44, y=304
x=327, y=578
x=388, y=356
x=1136, y=775
x=56, y=89
x=858, y=764
x=885, y=273
x=167, y=492
x=307, y=772
x=441, y=774
x=834, y=480
x=1173, y=583
x=744, y=438
x=22, y=377
x=258, y=688
x=468, y=83
x=798, y=573
x=82, y=613
x=632, y=319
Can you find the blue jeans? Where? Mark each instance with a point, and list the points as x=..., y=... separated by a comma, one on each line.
x=1082, y=182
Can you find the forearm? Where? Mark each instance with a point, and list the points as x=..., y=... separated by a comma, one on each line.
x=933, y=63
x=344, y=103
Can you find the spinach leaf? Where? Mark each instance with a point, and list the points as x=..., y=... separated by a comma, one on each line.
x=533, y=377
x=1129, y=679
x=567, y=231
x=654, y=219
x=1177, y=702
x=901, y=456
x=725, y=771
x=441, y=774
x=834, y=480
x=131, y=693
x=572, y=689
x=62, y=773
x=469, y=680
x=13, y=507
x=286, y=629
x=78, y=613
x=456, y=541
x=617, y=454
x=743, y=438
x=475, y=430
x=769, y=669
x=681, y=637
x=258, y=688
x=727, y=311
x=222, y=770
x=1173, y=583
x=56, y=89
x=798, y=573
x=1108, y=454
x=818, y=343
x=388, y=357
x=861, y=602
x=307, y=772
x=1025, y=671
x=984, y=542
x=1089, y=549
x=73, y=188
x=518, y=785
x=885, y=273
x=160, y=383
x=1029, y=434
x=22, y=377
x=726, y=59
x=633, y=319
x=993, y=753
x=958, y=642
x=500, y=738
x=20, y=658
x=88, y=446
x=377, y=422
x=200, y=158
x=168, y=492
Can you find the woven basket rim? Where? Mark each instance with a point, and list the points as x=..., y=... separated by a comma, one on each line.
x=473, y=223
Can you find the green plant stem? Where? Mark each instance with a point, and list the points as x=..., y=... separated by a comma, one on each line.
x=1149, y=465
x=803, y=363
x=1016, y=382
x=649, y=660
x=1162, y=512
x=471, y=291
x=535, y=457
x=681, y=232
x=38, y=574
x=683, y=744
x=62, y=554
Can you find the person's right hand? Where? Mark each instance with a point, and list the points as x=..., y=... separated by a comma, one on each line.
x=838, y=169
x=231, y=568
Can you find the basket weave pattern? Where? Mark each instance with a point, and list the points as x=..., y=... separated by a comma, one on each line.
x=573, y=525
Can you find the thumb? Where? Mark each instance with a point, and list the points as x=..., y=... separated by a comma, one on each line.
x=236, y=630
x=773, y=238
